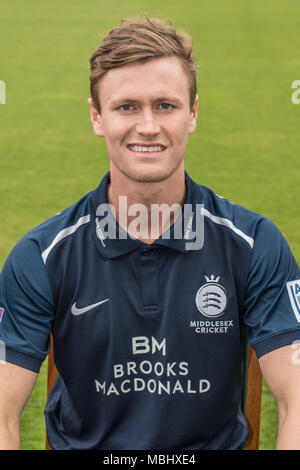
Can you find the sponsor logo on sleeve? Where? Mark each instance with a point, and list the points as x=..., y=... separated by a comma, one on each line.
x=293, y=288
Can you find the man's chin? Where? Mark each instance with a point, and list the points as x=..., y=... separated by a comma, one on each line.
x=149, y=178
x=149, y=175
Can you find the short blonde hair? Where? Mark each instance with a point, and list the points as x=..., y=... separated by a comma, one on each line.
x=138, y=40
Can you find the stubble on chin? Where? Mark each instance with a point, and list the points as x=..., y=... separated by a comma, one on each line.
x=150, y=176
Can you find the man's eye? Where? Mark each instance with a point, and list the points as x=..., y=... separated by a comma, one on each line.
x=126, y=107
x=165, y=106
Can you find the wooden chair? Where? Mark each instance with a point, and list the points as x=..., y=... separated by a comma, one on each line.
x=250, y=400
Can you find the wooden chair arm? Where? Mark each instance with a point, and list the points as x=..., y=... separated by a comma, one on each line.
x=253, y=400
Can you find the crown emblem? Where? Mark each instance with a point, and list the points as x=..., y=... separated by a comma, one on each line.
x=212, y=278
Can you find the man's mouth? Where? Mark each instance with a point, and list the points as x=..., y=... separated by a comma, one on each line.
x=149, y=148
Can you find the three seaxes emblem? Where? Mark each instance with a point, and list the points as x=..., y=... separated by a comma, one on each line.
x=211, y=298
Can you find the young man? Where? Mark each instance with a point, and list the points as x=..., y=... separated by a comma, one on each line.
x=149, y=315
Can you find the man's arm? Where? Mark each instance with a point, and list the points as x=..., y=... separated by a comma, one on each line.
x=16, y=385
x=281, y=371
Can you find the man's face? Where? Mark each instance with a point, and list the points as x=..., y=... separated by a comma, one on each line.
x=145, y=118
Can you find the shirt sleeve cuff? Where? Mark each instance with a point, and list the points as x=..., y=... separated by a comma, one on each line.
x=275, y=342
x=23, y=360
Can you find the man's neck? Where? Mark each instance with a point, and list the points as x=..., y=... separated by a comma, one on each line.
x=143, y=208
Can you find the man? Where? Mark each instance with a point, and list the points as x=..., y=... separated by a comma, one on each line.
x=149, y=314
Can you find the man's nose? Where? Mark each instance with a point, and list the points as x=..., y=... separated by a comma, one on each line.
x=147, y=123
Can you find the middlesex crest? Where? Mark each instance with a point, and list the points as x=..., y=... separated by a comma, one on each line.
x=211, y=298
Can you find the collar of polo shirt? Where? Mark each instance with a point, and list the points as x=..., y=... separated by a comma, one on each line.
x=111, y=247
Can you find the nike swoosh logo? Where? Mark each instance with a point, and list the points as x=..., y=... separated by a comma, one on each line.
x=79, y=311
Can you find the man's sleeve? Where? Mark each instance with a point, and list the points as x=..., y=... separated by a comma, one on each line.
x=26, y=307
x=273, y=298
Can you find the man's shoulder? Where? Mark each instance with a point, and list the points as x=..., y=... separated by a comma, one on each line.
x=221, y=205
x=223, y=212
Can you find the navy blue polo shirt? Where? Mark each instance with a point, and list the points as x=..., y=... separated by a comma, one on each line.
x=148, y=339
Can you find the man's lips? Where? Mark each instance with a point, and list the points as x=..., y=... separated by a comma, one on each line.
x=146, y=148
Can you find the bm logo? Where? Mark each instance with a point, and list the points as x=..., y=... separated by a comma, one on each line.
x=293, y=288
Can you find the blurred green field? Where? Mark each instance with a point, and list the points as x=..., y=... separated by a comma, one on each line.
x=246, y=146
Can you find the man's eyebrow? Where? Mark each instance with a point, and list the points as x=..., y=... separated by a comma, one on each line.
x=119, y=101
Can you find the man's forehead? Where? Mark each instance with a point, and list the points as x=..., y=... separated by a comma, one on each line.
x=156, y=78
x=159, y=65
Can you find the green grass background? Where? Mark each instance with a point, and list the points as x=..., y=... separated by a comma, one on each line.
x=246, y=146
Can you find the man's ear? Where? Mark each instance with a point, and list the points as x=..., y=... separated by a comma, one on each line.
x=194, y=114
x=95, y=119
